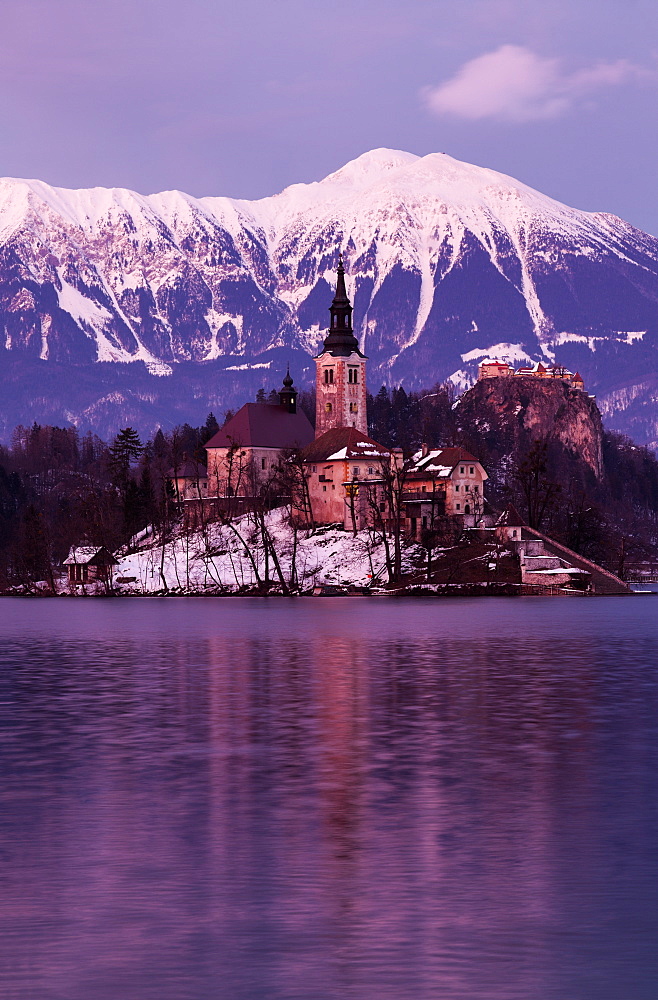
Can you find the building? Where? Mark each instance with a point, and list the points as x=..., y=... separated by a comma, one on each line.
x=354, y=480
x=453, y=476
x=189, y=479
x=340, y=379
x=344, y=476
x=536, y=370
x=242, y=455
x=492, y=368
x=89, y=564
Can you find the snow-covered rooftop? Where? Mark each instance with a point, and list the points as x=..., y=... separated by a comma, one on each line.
x=82, y=554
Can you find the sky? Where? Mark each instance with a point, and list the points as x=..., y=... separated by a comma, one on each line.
x=243, y=97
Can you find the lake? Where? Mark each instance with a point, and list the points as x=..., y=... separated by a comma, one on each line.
x=365, y=799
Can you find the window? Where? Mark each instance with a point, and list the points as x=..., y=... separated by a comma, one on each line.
x=423, y=489
x=456, y=487
x=355, y=470
x=371, y=472
x=327, y=407
x=514, y=533
x=476, y=489
x=467, y=509
x=458, y=506
x=262, y=463
x=328, y=376
x=353, y=376
x=324, y=489
x=471, y=470
x=314, y=468
x=354, y=408
x=462, y=470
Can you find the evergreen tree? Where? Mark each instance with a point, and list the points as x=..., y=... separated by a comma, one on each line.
x=126, y=449
x=380, y=417
x=209, y=429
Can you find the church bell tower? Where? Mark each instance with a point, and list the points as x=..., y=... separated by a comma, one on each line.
x=340, y=380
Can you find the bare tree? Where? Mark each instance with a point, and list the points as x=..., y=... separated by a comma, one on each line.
x=384, y=501
x=539, y=492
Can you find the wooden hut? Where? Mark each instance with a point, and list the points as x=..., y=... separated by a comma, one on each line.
x=89, y=563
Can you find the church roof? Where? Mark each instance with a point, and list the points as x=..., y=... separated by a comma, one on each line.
x=262, y=425
x=343, y=443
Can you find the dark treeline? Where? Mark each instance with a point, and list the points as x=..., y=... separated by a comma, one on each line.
x=58, y=489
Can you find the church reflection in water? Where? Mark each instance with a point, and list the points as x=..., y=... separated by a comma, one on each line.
x=393, y=795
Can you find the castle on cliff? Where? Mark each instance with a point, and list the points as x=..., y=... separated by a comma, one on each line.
x=493, y=368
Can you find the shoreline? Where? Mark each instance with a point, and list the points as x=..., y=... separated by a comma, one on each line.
x=427, y=591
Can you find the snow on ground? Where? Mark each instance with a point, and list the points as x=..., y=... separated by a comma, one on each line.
x=219, y=558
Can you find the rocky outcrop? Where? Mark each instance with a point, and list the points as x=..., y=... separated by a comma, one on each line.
x=509, y=414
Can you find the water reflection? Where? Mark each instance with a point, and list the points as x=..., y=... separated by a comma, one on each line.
x=323, y=799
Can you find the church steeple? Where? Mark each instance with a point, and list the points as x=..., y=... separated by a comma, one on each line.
x=340, y=369
x=340, y=340
x=288, y=394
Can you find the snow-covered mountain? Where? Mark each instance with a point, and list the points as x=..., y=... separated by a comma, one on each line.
x=115, y=305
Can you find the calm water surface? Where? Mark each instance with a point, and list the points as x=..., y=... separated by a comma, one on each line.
x=329, y=798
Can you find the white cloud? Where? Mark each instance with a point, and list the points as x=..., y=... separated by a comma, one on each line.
x=514, y=84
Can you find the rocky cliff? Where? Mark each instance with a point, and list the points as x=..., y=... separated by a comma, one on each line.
x=508, y=414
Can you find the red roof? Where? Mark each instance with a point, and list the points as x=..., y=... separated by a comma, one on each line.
x=261, y=425
x=344, y=443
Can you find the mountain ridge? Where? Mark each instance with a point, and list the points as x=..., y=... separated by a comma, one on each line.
x=447, y=263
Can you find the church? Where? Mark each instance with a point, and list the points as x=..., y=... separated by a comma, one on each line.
x=343, y=465
x=345, y=470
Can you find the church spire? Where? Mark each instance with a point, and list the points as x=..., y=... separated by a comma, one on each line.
x=340, y=340
x=288, y=393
